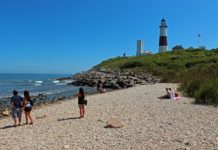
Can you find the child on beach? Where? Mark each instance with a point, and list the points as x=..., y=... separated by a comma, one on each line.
x=27, y=103
x=81, y=98
x=16, y=102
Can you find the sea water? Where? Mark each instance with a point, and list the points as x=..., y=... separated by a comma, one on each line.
x=37, y=84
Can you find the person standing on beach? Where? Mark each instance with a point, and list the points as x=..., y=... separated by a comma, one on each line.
x=27, y=103
x=16, y=102
x=100, y=88
x=81, y=97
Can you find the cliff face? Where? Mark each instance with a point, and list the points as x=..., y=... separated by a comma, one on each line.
x=113, y=78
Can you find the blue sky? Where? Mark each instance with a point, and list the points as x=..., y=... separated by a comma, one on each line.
x=68, y=36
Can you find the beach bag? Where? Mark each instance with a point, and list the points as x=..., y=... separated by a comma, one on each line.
x=31, y=102
x=85, y=102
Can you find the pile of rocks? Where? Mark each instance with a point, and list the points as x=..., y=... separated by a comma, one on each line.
x=4, y=111
x=113, y=79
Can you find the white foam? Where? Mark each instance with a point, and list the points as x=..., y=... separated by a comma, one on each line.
x=38, y=81
x=56, y=81
x=68, y=81
x=53, y=92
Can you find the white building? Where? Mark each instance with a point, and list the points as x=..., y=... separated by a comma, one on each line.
x=140, y=49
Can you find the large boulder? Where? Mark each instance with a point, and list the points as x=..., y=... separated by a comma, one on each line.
x=5, y=113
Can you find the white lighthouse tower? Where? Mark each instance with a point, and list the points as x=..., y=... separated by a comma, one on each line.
x=163, y=47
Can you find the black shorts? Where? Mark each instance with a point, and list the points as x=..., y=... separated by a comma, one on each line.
x=27, y=109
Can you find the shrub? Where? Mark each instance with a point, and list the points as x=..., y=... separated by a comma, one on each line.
x=169, y=76
x=208, y=93
x=202, y=84
x=131, y=64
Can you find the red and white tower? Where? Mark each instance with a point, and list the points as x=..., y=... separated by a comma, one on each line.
x=163, y=47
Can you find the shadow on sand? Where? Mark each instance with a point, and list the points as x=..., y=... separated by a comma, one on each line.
x=72, y=118
x=7, y=127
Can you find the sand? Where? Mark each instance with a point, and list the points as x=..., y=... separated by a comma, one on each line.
x=149, y=123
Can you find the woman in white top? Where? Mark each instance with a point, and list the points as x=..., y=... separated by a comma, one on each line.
x=28, y=107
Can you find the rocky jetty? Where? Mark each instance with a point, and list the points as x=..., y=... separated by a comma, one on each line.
x=64, y=78
x=113, y=79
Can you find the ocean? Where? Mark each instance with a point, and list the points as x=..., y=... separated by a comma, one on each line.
x=38, y=84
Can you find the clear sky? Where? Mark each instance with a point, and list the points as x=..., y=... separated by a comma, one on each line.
x=68, y=36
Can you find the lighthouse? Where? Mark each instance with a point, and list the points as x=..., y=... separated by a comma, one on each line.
x=163, y=37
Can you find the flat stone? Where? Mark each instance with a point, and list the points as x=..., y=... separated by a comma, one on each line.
x=114, y=123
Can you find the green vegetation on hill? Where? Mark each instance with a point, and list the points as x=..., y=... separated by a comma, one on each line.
x=196, y=70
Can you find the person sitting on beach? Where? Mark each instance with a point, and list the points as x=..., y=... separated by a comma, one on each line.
x=172, y=94
x=100, y=88
x=16, y=102
x=176, y=94
x=168, y=94
x=81, y=98
x=28, y=103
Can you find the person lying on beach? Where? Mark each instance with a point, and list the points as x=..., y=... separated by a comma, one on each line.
x=168, y=94
x=28, y=103
x=16, y=102
x=81, y=101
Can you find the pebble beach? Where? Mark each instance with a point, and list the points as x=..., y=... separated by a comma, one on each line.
x=148, y=123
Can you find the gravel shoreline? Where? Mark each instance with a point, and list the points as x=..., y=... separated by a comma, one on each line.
x=149, y=123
